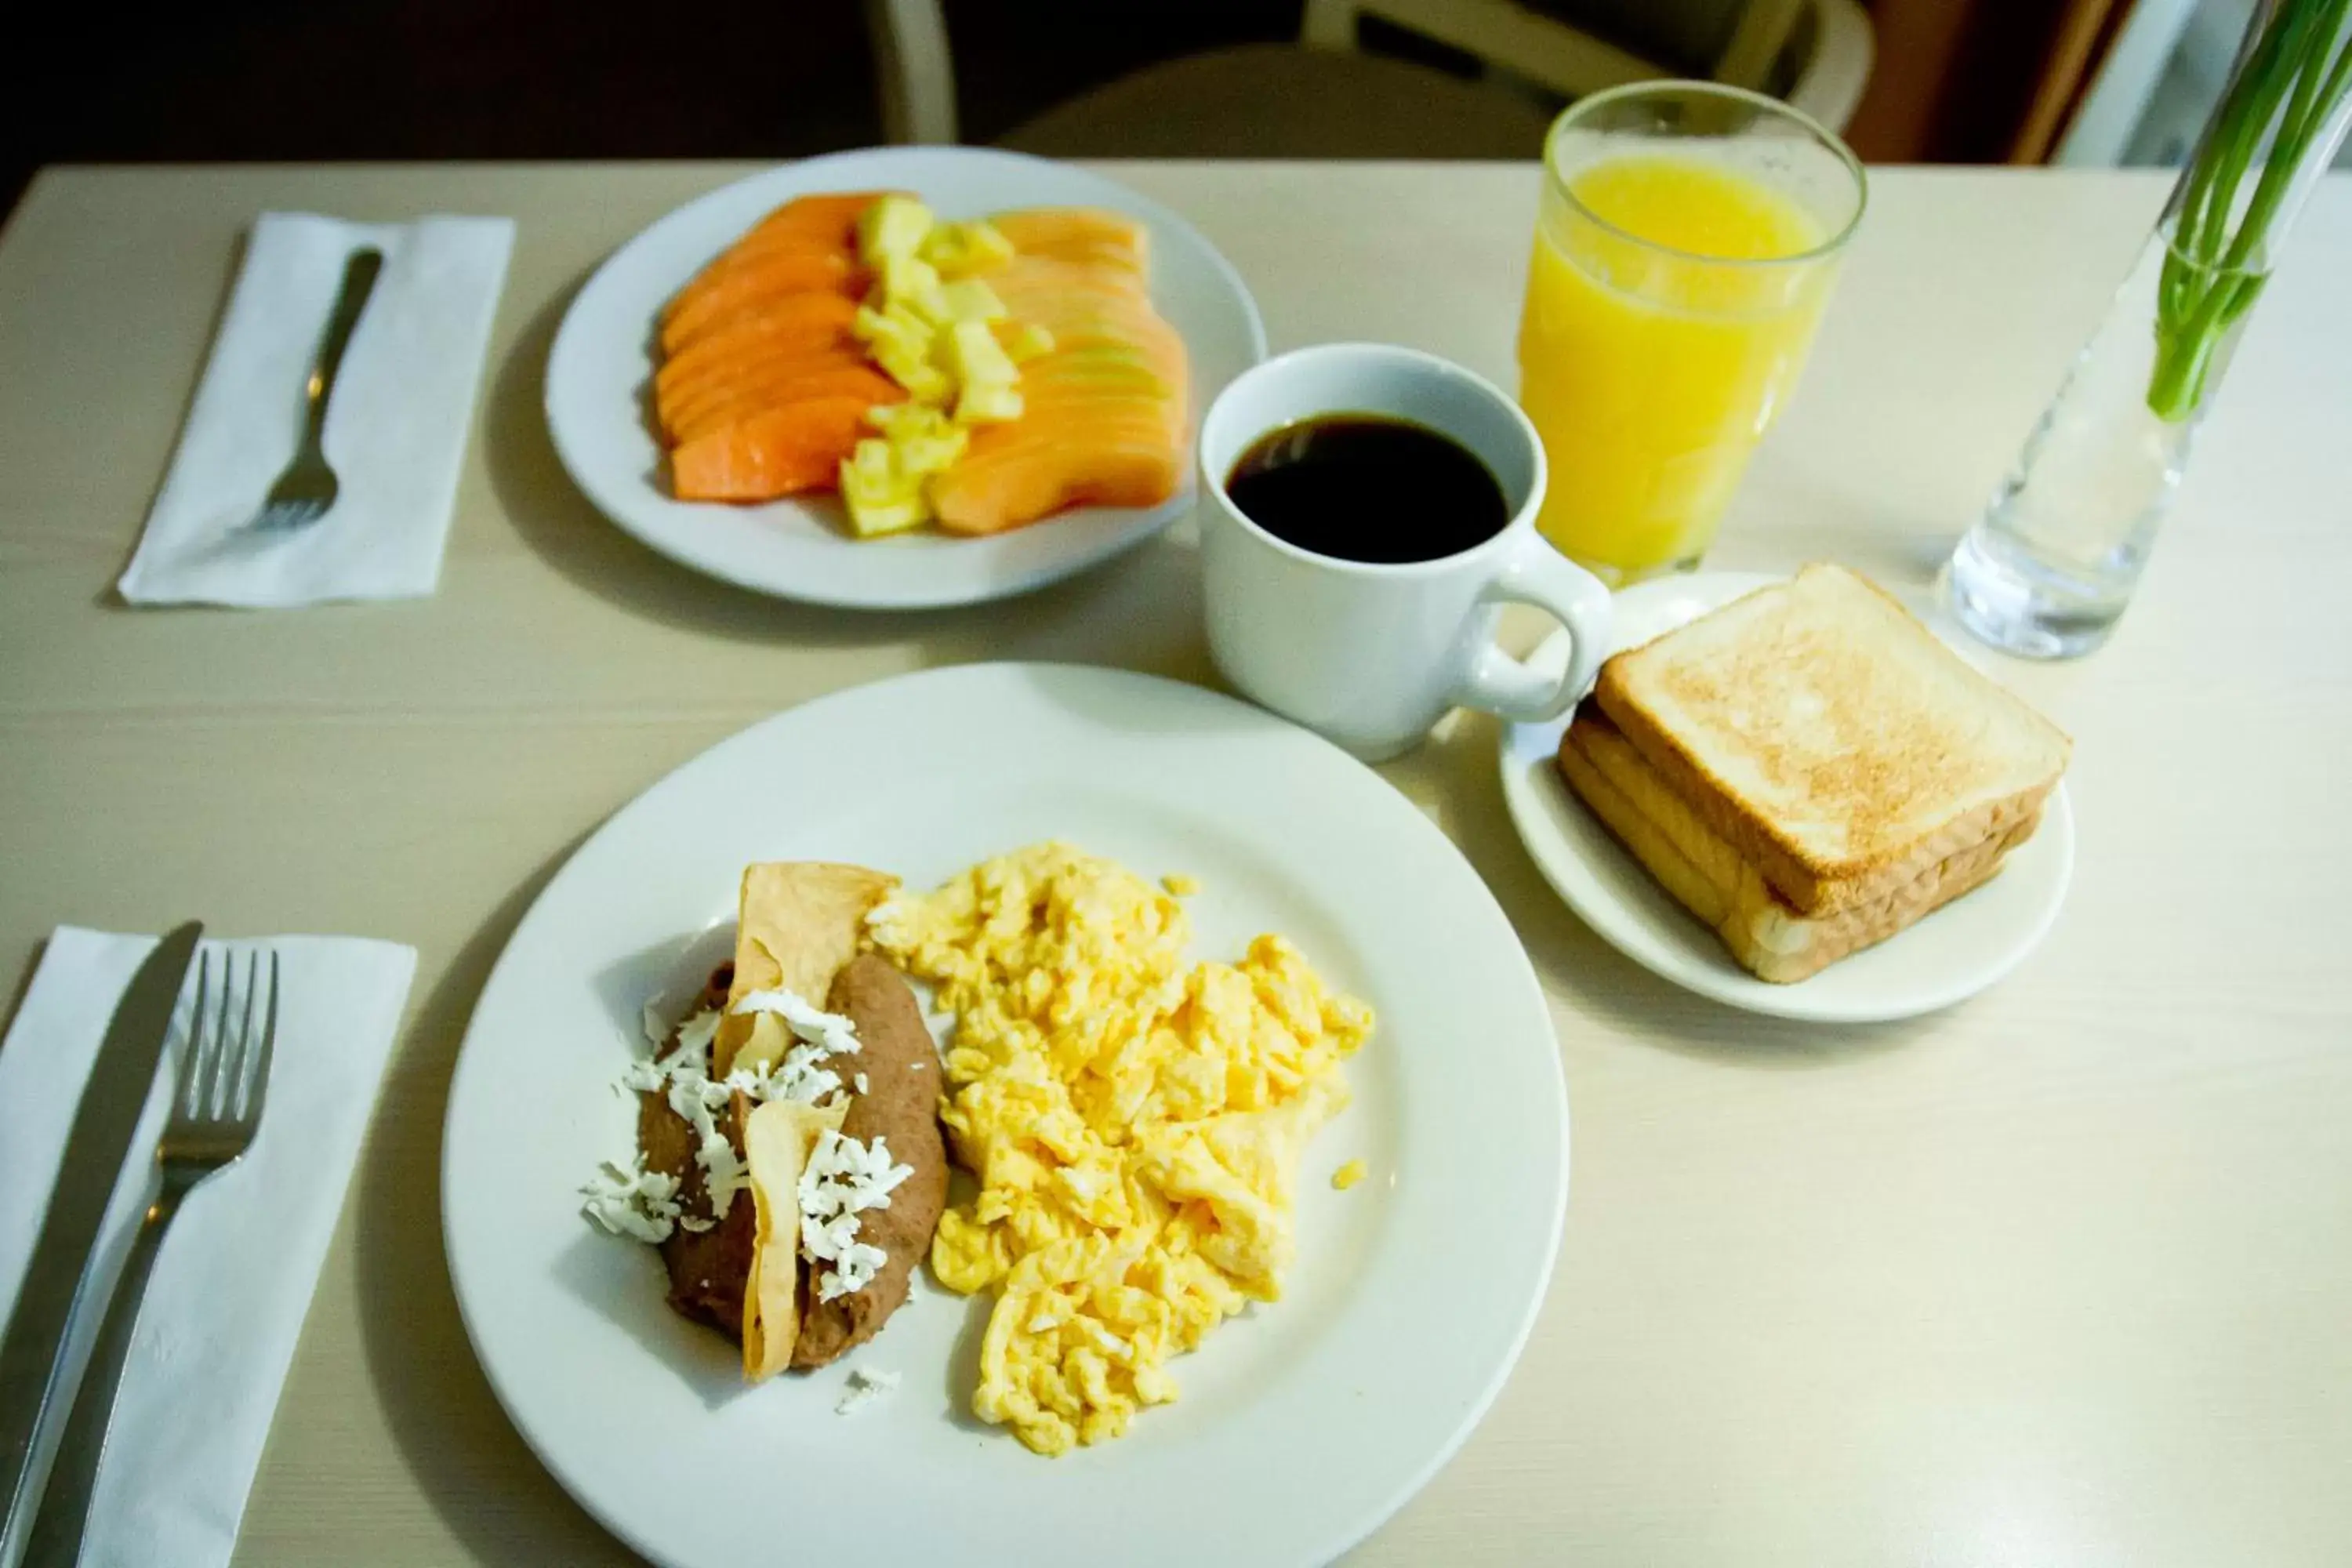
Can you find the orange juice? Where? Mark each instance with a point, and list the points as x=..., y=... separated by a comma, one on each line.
x=1670, y=303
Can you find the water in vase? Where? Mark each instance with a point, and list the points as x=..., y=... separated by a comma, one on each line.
x=2048, y=569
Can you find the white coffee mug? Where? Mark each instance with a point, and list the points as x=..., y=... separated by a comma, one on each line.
x=1372, y=655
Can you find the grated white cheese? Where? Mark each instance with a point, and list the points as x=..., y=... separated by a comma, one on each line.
x=865, y=1387
x=694, y=1035
x=800, y=1078
x=633, y=1201
x=623, y=1203
x=860, y=1081
x=812, y=1024
x=724, y=1173
x=844, y=1178
x=699, y=1101
x=821, y=1035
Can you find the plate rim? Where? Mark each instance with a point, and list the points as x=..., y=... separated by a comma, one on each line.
x=1401, y=813
x=1143, y=525
x=1605, y=917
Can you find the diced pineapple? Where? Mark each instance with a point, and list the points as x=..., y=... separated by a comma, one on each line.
x=895, y=226
x=909, y=365
x=935, y=339
x=961, y=249
x=1026, y=340
x=951, y=302
x=871, y=520
x=928, y=384
x=969, y=300
x=929, y=452
x=988, y=403
x=899, y=421
x=902, y=343
x=895, y=325
x=896, y=419
x=929, y=304
x=882, y=496
x=903, y=278
x=868, y=465
x=921, y=439
x=975, y=357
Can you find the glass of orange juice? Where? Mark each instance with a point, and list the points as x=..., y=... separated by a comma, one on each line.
x=1688, y=240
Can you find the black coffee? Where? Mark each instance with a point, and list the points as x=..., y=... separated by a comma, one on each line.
x=1366, y=487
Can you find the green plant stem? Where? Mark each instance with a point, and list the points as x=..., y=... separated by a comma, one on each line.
x=2286, y=150
x=2207, y=282
x=2221, y=163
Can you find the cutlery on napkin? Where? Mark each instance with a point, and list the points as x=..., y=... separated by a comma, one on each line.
x=37, y=1386
x=396, y=431
x=233, y=1283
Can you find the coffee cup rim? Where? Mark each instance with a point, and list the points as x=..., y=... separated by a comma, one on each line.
x=1522, y=517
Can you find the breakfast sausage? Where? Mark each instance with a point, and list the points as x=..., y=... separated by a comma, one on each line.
x=900, y=1105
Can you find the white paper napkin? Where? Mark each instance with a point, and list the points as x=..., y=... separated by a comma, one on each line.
x=233, y=1282
x=396, y=429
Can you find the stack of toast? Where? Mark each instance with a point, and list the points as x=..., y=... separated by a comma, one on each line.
x=1808, y=771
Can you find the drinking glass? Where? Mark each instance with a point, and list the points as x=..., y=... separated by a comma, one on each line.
x=1688, y=240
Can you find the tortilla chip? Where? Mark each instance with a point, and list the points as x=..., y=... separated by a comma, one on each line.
x=777, y=1139
x=798, y=924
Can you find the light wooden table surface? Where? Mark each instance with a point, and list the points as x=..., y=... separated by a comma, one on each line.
x=2062, y=1275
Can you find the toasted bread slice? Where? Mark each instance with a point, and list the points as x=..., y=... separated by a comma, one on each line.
x=1706, y=875
x=1831, y=740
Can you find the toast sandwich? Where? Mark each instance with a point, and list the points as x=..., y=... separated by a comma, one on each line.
x=1808, y=771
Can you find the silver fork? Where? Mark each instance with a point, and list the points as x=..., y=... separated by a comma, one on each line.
x=215, y=1110
x=307, y=488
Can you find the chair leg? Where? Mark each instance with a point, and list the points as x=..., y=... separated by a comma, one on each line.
x=1756, y=43
x=1830, y=82
x=1329, y=25
x=915, y=75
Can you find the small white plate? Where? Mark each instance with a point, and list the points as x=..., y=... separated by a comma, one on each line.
x=1301, y=1425
x=601, y=368
x=1946, y=957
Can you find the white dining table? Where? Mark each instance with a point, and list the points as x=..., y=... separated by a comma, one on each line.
x=2060, y=1275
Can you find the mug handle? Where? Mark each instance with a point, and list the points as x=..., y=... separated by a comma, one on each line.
x=1534, y=572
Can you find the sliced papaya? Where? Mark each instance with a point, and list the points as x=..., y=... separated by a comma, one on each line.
x=827, y=222
x=779, y=452
x=1031, y=279
x=742, y=400
x=689, y=403
x=797, y=322
x=983, y=495
x=1058, y=231
x=828, y=276
x=822, y=265
x=831, y=215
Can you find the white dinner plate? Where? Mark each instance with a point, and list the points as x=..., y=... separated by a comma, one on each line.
x=599, y=373
x=1945, y=958
x=1301, y=1425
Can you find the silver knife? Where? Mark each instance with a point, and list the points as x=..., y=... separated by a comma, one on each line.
x=32, y=1356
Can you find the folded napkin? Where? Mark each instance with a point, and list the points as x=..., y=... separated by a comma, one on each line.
x=395, y=428
x=232, y=1285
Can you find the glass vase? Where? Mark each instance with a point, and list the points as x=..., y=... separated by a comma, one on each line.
x=2049, y=569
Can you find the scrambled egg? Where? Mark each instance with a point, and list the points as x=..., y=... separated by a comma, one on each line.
x=1135, y=1125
